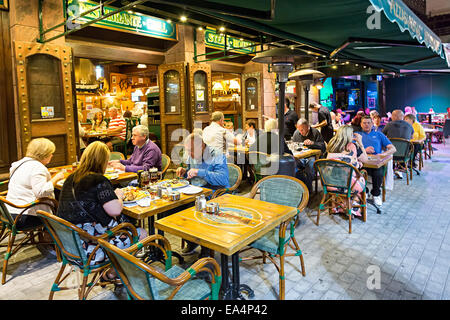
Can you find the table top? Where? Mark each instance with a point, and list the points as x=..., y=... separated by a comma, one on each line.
x=96, y=133
x=160, y=205
x=378, y=163
x=123, y=176
x=242, y=221
x=306, y=153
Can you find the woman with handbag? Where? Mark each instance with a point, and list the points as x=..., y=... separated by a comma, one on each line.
x=89, y=201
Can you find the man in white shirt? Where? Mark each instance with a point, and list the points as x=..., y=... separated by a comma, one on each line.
x=216, y=136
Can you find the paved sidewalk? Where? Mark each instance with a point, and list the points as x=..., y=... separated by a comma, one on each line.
x=409, y=243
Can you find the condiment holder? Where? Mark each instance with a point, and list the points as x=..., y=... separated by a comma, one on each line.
x=212, y=208
x=174, y=195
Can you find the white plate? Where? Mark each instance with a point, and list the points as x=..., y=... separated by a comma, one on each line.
x=144, y=202
x=111, y=176
x=191, y=190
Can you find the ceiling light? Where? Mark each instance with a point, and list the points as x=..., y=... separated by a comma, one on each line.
x=217, y=86
x=222, y=29
x=334, y=67
x=234, y=85
x=183, y=18
x=200, y=29
x=141, y=66
x=169, y=21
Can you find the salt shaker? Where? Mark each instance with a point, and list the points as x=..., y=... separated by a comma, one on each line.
x=203, y=203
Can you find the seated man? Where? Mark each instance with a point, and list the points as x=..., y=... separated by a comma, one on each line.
x=374, y=142
x=398, y=128
x=418, y=135
x=116, y=129
x=146, y=154
x=269, y=140
x=205, y=168
x=311, y=138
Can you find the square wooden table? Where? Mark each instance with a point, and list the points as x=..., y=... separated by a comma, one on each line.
x=242, y=221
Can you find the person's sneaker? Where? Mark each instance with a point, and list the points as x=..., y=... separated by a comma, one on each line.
x=189, y=249
x=141, y=253
x=378, y=201
x=398, y=175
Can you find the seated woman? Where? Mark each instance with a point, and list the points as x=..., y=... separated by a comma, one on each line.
x=89, y=200
x=30, y=180
x=348, y=147
x=98, y=123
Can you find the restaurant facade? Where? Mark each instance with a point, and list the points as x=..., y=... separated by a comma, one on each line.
x=49, y=74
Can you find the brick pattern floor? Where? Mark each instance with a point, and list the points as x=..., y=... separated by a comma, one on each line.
x=409, y=244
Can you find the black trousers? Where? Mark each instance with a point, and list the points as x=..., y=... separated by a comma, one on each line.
x=377, y=180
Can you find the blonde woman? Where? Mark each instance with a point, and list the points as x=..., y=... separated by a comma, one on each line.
x=89, y=200
x=30, y=180
x=348, y=147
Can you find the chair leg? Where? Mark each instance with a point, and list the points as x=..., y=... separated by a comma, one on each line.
x=56, y=282
x=349, y=212
x=364, y=203
x=297, y=248
x=282, y=278
x=11, y=240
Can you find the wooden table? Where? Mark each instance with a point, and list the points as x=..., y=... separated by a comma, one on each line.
x=376, y=164
x=228, y=234
x=161, y=206
x=124, y=176
x=307, y=153
x=96, y=134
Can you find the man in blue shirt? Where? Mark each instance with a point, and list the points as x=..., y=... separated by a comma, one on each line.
x=375, y=143
x=205, y=167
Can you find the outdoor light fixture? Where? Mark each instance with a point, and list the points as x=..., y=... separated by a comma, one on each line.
x=200, y=29
x=222, y=29
x=141, y=66
x=282, y=62
x=183, y=19
x=306, y=77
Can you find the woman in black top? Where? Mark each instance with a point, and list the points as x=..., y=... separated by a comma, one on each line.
x=89, y=200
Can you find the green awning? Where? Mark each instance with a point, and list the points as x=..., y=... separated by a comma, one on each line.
x=383, y=33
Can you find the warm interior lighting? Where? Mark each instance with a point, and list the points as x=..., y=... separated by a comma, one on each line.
x=183, y=19
x=217, y=86
x=234, y=85
x=141, y=66
x=222, y=29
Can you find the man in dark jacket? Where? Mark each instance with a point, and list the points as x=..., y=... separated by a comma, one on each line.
x=290, y=120
x=325, y=124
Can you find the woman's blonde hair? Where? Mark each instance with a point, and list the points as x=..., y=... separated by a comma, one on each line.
x=94, y=160
x=341, y=139
x=40, y=148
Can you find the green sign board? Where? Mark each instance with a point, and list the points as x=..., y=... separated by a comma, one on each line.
x=123, y=21
x=216, y=40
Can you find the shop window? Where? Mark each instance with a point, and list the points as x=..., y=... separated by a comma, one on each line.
x=44, y=87
x=200, y=92
x=251, y=94
x=172, y=91
x=226, y=92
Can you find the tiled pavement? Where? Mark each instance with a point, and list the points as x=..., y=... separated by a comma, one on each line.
x=409, y=243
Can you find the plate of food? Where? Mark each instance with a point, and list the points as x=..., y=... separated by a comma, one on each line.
x=111, y=170
x=191, y=190
x=174, y=183
x=132, y=194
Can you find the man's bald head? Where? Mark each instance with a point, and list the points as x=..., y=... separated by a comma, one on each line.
x=397, y=115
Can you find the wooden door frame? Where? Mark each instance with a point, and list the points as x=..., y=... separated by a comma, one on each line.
x=192, y=69
x=23, y=50
x=251, y=114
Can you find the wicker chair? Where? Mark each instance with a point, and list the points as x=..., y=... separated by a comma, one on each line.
x=165, y=163
x=67, y=237
x=261, y=165
x=115, y=155
x=336, y=178
x=288, y=191
x=146, y=282
x=234, y=178
x=11, y=230
x=403, y=156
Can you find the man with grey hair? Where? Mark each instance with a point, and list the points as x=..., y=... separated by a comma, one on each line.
x=216, y=136
x=146, y=153
x=398, y=128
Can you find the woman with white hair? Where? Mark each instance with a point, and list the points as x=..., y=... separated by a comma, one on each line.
x=268, y=141
x=146, y=153
x=30, y=180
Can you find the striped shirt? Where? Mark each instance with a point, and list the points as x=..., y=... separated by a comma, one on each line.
x=116, y=123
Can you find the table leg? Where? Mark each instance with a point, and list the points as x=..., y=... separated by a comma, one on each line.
x=237, y=286
x=227, y=289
